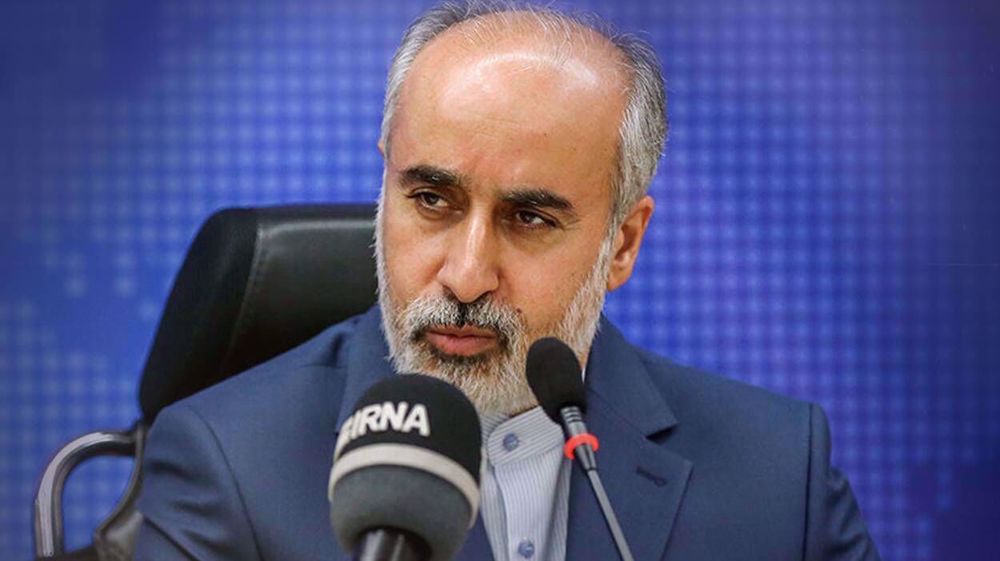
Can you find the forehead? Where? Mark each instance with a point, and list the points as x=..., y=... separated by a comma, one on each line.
x=513, y=110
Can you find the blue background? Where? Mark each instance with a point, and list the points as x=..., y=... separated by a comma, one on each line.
x=826, y=227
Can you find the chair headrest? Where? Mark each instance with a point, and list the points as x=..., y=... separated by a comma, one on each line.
x=255, y=283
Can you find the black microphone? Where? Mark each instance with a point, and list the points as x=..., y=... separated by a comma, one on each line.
x=556, y=379
x=405, y=479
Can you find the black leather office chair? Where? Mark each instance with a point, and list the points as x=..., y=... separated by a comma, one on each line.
x=255, y=283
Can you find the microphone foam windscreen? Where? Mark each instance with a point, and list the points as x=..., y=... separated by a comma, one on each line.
x=555, y=377
x=408, y=458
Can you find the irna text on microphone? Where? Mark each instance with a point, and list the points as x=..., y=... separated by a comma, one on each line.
x=380, y=417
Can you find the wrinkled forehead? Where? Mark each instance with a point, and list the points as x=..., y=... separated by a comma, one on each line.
x=520, y=59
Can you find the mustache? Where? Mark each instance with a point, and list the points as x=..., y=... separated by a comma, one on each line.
x=485, y=313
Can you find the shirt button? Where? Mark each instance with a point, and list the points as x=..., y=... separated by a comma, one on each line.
x=511, y=442
x=526, y=549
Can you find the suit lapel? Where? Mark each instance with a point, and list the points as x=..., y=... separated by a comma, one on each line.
x=644, y=481
x=367, y=362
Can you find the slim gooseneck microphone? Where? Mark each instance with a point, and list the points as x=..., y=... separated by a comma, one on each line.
x=405, y=479
x=554, y=375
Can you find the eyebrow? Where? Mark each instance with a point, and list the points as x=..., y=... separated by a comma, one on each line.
x=533, y=197
x=539, y=198
x=430, y=175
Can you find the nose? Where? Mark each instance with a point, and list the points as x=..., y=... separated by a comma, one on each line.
x=470, y=269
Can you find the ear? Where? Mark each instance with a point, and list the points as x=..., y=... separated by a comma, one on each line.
x=381, y=148
x=628, y=238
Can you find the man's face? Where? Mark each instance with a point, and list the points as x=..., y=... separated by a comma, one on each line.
x=494, y=213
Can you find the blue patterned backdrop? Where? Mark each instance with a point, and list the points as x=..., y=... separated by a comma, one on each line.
x=826, y=227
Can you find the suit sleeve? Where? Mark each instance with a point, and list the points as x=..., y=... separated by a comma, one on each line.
x=190, y=502
x=835, y=530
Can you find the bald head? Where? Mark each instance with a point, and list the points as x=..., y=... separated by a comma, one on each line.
x=509, y=76
x=537, y=68
x=548, y=56
x=560, y=34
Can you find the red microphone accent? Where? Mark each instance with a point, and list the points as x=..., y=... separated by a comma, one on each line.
x=576, y=441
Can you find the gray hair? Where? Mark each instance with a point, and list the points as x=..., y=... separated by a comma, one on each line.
x=643, y=129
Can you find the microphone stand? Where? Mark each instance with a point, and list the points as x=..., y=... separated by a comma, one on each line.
x=388, y=544
x=609, y=515
x=581, y=446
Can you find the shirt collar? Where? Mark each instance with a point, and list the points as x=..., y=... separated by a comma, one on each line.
x=519, y=438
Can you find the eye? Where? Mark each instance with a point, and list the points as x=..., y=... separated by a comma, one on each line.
x=532, y=219
x=428, y=199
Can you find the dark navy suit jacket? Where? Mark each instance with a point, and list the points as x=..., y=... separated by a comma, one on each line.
x=698, y=468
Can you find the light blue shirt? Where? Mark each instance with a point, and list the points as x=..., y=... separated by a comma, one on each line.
x=525, y=487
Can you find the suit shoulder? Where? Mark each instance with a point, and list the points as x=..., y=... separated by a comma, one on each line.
x=307, y=375
x=694, y=393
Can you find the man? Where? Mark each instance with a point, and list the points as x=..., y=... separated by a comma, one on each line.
x=518, y=149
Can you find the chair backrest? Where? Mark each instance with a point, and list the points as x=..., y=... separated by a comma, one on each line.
x=255, y=283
